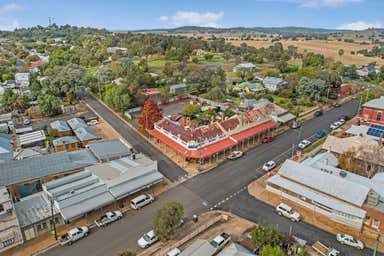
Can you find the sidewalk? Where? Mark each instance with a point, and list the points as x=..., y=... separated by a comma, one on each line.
x=258, y=190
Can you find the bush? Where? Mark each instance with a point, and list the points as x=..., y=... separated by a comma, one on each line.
x=167, y=220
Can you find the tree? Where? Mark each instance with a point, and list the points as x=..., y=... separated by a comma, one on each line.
x=49, y=105
x=191, y=110
x=125, y=253
x=312, y=87
x=272, y=251
x=262, y=236
x=150, y=114
x=117, y=98
x=341, y=52
x=168, y=219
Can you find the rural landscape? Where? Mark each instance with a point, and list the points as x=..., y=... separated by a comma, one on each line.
x=192, y=133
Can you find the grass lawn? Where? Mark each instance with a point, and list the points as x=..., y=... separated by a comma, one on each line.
x=315, y=145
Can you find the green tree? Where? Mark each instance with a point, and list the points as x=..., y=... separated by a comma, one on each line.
x=49, y=105
x=262, y=236
x=272, y=251
x=341, y=52
x=117, y=98
x=167, y=220
x=208, y=56
x=191, y=110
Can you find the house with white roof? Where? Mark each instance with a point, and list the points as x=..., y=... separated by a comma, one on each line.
x=250, y=66
x=343, y=197
x=274, y=84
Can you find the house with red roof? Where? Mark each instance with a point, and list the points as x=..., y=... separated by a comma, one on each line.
x=372, y=112
x=218, y=137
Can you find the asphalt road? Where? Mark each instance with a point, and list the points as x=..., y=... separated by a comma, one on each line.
x=168, y=168
x=221, y=188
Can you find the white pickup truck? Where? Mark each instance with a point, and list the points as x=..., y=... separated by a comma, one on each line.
x=220, y=241
x=73, y=235
x=324, y=250
x=108, y=217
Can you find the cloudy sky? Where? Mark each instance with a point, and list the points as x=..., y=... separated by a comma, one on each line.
x=133, y=14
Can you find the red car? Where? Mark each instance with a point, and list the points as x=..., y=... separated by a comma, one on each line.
x=267, y=139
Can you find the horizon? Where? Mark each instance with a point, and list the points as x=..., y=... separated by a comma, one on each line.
x=121, y=15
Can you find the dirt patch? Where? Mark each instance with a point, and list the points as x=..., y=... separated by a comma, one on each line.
x=104, y=130
x=328, y=48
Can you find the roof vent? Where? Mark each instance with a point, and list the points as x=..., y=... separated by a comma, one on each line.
x=343, y=174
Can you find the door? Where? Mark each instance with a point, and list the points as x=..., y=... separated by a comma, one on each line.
x=29, y=233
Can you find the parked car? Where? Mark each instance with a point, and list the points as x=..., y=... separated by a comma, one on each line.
x=335, y=125
x=304, y=143
x=147, y=239
x=108, y=218
x=73, y=235
x=318, y=113
x=268, y=166
x=267, y=139
x=26, y=121
x=174, y=252
x=320, y=134
x=337, y=105
x=10, y=124
x=349, y=240
x=235, y=155
x=325, y=250
x=220, y=241
x=345, y=117
x=295, y=125
x=92, y=122
x=141, y=201
x=287, y=211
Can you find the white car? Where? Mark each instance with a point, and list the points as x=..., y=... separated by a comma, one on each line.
x=304, y=143
x=287, y=211
x=342, y=121
x=26, y=121
x=147, y=239
x=92, y=122
x=220, y=241
x=349, y=240
x=269, y=166
x=174, y=252
x=335, y=125
x=235, y=155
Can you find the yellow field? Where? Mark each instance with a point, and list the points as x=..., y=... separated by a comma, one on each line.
x=328, y=48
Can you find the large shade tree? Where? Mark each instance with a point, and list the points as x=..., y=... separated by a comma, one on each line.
x=168, y=219
x=150, y=114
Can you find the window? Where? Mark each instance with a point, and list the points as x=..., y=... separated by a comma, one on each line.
x=378, y=117
x=376, y=223
x=42, y=226
x=1, y=208
x=367, y=220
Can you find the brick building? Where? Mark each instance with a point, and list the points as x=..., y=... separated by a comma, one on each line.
x=372, y=112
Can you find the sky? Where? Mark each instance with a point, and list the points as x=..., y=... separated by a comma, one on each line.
x=151, y=14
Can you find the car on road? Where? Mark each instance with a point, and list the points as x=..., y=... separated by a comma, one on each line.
x=335, y=125
x=304, y=143
x=220, y=241
x=349, y=240
x=235, y=155
x=295, y=125
x=345, y=117
x=92, y=122
x=141, y=201
x=148, y=239
x=73, y=235
x=174, y=252
x=267, y=139
x=108, y=218
x=318, y=113
x=268, y=166
x=320, y=134
x=288, y=212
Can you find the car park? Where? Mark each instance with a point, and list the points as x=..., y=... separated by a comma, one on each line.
x=267, y=139
x=303, y=144
x=320, y=134
x=235, y=155
x=268, y=166
x=288, y=212
x=147, y=239
x=350, y=241
x=141, y=201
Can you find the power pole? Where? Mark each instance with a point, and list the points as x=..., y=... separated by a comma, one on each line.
x=377, y=244
x=53, y=223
